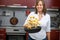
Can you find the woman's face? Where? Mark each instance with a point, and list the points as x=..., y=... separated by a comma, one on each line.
x=39, y=6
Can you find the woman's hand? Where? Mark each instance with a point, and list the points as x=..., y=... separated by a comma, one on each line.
x=48, y=35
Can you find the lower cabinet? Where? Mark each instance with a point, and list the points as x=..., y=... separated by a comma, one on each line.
x=54, y=34
x=2, y=34
x=26, y=35
x=59, y=34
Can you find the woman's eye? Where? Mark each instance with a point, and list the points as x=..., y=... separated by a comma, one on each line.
x=40, y=4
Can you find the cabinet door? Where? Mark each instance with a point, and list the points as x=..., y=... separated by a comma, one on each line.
x=2, y=34
x=52, y=3
x=3, y=2
x=30, y=3
x=20, y=2
x=48, y=3
x=55, y=3
x=59, y=34
x=54, y=35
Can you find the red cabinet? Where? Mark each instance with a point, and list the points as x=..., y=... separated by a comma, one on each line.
x=48, y=3
x=3, y=2
x=2, y=34
x=30, y=3
x=55, y=4
x=20, y=2
x=11, y=2
x=26, y=35
x=54, y=35
x=59, y=34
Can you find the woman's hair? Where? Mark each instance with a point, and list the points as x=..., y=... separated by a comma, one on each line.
x=44, y=9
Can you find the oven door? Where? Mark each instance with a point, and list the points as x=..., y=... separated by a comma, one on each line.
x=16, y=37
x=16, y=33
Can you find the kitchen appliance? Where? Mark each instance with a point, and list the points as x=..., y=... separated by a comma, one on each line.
x=13, y=20
x=15, y=33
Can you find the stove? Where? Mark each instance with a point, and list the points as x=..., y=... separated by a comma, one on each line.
x=15, y=33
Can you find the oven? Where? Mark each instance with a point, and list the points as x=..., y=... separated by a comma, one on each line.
x=16, y=33
x=16, y=37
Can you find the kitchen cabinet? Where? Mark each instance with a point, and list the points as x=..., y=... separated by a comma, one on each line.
x=3, y=3
x=52, y=3
x=30, y=3
x=12, y=2
x=55, y=4
x=26, y=35
x=48, y=3
x=18, y=2
x=2, y=34
x=54, y=34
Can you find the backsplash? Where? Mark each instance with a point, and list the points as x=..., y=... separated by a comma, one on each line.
x=20, y=14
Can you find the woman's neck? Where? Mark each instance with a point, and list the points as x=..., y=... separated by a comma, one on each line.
x=40, y=13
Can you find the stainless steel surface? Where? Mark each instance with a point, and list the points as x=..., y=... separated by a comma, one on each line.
x=53, y=28
x=10, y=33
x=15, y=30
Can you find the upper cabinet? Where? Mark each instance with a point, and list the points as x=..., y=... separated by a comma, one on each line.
x=16, y=2
x=48, y=3
x=11, y=2
x=3, y=2
x=55, y=3
x=52, y=3
x=30, y=3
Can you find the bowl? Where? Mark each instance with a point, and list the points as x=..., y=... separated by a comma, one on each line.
x=33, y=30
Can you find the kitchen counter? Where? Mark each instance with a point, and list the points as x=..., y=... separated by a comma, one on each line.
x=53, y=28
x=23, y=27
x=14, y=30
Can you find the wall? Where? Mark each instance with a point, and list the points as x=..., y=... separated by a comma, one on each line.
x=19, y=13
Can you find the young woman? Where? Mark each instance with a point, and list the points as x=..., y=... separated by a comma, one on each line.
x=44, y=19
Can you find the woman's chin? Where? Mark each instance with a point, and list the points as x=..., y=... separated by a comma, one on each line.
x=39, y=11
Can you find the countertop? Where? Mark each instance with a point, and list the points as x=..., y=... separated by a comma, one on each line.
x=21, y=27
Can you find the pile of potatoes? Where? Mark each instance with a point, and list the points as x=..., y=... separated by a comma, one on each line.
x=33, y=22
